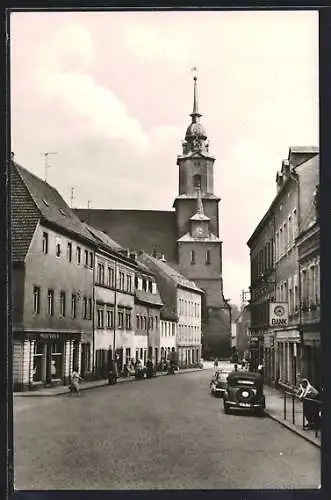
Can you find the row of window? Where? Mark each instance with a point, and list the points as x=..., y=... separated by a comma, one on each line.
x=263, y=261
x=167, y=329
x=145, y=284
x=189, y=308
x=188, y=333
x=105, y=317
x=145, y=323
x=88, y=256
x=207, y=257
x=123, y=283
x=285, y=235
x=63, y=304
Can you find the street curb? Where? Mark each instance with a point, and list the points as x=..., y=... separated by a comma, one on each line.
x=294, y=429
x=96, y=386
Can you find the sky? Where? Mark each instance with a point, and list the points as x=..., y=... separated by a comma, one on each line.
x=111, y=94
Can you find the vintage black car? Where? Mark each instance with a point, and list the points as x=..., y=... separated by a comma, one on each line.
x=244, y=390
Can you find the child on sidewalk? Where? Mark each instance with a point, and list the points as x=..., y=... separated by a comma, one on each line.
x=74, y=384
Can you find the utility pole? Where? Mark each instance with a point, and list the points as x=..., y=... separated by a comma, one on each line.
x=47, y=166
x=88, y=210
x=72, y=197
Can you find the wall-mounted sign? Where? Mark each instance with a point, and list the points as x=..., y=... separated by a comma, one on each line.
x=278, y=314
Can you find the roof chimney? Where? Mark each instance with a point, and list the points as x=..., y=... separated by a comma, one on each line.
x=12, y=156
x=163, y=259
x=154, y=254
x=133, y=256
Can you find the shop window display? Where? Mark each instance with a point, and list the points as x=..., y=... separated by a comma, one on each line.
x=56, y=361
x=37, y=362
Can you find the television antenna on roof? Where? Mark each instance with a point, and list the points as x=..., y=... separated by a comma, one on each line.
x=47, y=166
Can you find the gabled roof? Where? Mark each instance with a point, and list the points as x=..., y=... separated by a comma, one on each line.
x=148, y=298
x=169, y=272
x=103, y=237
x=33, y=201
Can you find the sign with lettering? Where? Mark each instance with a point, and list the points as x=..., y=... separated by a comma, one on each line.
x=278, y=314
x=49, y=336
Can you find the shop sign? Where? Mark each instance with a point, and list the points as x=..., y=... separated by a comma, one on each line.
x=278, y=314
x=49, y=336
x=268, y=341
x=288, y=336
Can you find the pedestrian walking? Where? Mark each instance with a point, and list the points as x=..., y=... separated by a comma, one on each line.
x=216, y=363
x=74, y=383
x=308, y=394
x=113, y=373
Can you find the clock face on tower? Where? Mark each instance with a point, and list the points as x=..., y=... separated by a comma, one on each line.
x=199, y=231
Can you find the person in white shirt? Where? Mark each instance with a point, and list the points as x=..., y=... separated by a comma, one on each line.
x=74, y=385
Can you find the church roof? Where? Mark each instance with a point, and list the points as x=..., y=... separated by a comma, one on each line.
x=189, y=238
x=148, y=230
x=169, y=271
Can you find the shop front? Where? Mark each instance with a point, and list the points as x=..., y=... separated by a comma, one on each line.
x=311, y=357
x=44, y=359
x=269, y=358
x=289, y=364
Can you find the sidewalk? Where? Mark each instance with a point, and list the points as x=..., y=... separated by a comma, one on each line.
x=63, y=389
x=275, y=410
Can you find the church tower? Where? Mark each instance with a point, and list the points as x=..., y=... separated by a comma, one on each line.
x=199, y=248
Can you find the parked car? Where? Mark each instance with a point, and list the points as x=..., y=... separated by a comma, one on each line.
x=218, y=382
x=244, y=390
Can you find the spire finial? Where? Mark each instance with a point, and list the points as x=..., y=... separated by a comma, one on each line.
x=195, y=113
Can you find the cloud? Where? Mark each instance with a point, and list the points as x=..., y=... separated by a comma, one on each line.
x=111, y=92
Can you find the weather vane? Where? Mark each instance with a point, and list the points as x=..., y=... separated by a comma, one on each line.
x=195, y=72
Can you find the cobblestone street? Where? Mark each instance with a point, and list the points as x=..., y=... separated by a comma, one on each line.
x=165, y=433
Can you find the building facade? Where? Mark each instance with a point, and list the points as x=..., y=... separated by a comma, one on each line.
x=148, y=304
x=53, y=259
x=275, y=273
x=308, y=244
x=181, y=305
x=113, y=298
x=187, y=237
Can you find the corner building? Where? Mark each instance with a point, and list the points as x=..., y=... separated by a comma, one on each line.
x=188, y=237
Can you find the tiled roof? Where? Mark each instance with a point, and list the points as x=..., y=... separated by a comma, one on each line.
x=148, y=297
x=24, y=217
x=169, y=271
x=51, y=205
x=146, y=230
x=104, y=238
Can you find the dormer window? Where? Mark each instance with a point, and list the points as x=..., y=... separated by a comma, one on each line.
x=62, y=212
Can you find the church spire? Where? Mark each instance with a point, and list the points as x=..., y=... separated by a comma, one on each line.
x=196, y=136
x=195, y=113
